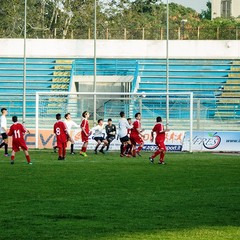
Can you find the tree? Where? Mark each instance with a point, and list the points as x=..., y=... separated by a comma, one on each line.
x=11, y=18
x=207, y=14
x=137, y=18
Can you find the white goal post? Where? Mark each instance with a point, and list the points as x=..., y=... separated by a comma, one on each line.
x=108, y=105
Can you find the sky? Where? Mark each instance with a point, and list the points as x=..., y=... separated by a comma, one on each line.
x=197, y=5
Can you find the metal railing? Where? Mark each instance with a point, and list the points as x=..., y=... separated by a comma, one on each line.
x=178, y=33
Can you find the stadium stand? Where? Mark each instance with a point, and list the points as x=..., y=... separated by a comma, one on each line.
x=41, y=75
x=215, y=83
x=211, y=81
x=228, y=104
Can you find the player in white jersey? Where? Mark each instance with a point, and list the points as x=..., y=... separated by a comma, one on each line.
x=123, y=127
x=3, y=130
x=70, y=124
x=98, y=136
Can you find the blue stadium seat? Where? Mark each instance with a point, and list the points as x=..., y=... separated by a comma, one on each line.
x=215, y=82
x=41, y=75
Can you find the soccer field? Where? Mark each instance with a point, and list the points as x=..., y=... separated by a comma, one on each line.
x=195, y=196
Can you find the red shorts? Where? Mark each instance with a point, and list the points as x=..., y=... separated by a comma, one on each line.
x=84, y=137
x=61, y=144
x=16, y=145
x=161, y=146
x=136, y=139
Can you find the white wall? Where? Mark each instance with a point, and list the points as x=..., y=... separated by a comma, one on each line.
x=53, y=48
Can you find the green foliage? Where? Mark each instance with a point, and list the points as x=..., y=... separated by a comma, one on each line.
x=195, y=196
x=75, y=19
x=207, y=14
x=11, y=18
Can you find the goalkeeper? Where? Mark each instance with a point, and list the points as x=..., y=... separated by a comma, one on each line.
x=111, y=131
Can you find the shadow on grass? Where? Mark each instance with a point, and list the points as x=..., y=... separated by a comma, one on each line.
x=66, y=216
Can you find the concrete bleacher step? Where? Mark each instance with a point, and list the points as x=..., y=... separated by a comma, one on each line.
x=64, y=61
x=61, y=80
x=61, y=73
x=234, y=75
x=63, y=67
x=231, y=94
x=229, y=101
x=59, y=86
x=235, y=69
x=232, y=88
x=233, y=81
x=225, y=115
x=226, y=107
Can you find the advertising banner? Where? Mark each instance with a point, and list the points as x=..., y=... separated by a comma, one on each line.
x=175, y=141
x=213, y=141
x=46, y=139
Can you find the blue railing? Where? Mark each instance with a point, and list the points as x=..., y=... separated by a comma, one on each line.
x=135, y=81
x=122, y=67
x=71, y=75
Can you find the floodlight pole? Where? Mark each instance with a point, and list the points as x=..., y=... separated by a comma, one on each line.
x=36, y=122
x=191, y=124
x=24, y=63
x=167, y=67
x=95, y=64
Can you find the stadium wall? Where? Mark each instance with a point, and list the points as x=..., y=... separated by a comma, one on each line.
x=195, y=49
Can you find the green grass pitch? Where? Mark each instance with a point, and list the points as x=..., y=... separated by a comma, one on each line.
x=195, y=196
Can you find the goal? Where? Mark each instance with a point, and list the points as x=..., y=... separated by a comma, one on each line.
x=175, y=108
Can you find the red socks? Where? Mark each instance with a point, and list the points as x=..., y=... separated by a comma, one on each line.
x=28, y=158
x=84, y=149
x=162, y=157
x=156, y=153
x=64, y=152
x=60, y=152
x=139, y=148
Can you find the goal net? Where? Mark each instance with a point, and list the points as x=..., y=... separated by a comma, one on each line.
x=176, y=110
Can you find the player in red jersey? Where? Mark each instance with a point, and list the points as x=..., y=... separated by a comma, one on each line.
x=60, y=129
x=136, y=136
x=17, y=131
x=85, y=132
x=130, y=123
x=159, y=140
